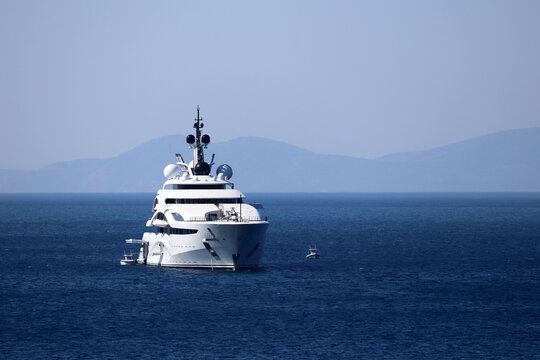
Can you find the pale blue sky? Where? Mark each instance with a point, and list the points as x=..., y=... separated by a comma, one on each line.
x=96, y=78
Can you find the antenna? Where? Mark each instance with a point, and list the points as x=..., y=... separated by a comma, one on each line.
x=198, y=143
x=179, y=158
x=198, y=126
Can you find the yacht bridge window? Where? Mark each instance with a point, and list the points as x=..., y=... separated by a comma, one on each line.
x=201, y=186
x=204, y=201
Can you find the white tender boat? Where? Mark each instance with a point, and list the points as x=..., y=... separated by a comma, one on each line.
x=200, y=220
x=312, y=253
x=128, y=259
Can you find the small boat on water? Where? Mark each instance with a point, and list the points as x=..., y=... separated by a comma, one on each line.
x=312, y=253
x=128, y=259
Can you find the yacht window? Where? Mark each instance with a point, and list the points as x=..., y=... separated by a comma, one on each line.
x=177, y=217
x=204, y=201
x=201, y=186
x=182, y=231
x=160, y=216
x=173, y=231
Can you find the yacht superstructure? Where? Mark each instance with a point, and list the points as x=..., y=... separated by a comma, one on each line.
x=200, y=220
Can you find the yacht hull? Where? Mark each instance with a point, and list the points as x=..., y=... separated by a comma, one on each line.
x=219, y=244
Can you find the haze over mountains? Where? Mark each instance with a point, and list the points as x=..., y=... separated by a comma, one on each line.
x=505, y=161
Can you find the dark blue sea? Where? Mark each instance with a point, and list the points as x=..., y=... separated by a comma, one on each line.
x=401, y=276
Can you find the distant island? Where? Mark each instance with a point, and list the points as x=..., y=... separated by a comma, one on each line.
x=507, y=161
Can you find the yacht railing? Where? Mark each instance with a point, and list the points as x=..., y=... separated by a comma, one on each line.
x=230, y=219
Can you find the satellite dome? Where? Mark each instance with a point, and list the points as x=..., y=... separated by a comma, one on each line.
x=205, y=139
x=190, y=139
x=226, y=170
x=171, y=171
x=201, y=168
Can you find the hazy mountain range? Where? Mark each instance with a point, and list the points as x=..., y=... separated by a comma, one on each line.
x=505, y=161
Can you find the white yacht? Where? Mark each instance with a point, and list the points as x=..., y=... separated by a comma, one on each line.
x=200, y=220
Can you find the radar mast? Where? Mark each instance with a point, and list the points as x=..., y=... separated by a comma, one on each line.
x=198, y=142
x=198, y=126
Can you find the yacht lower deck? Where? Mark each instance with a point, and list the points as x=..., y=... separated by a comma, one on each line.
x=219, y=244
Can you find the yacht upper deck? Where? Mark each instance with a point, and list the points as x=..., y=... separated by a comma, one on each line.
x=205, y=182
